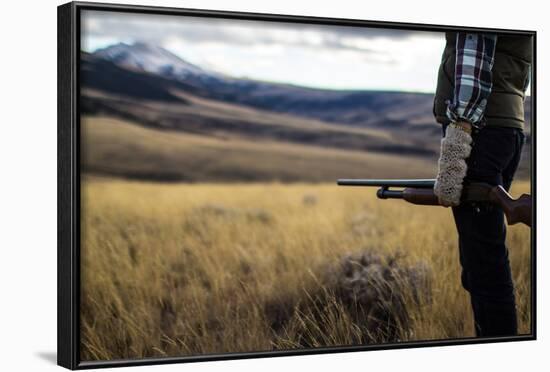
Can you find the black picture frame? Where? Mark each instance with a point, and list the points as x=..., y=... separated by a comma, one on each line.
x=68, y=330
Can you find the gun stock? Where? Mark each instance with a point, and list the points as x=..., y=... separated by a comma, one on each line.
x=516, y=210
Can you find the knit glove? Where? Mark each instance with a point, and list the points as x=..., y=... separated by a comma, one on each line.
x=455, y=149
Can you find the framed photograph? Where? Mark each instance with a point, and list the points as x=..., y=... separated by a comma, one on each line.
x=238, y=185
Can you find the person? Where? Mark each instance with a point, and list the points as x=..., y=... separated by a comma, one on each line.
x=479, y=101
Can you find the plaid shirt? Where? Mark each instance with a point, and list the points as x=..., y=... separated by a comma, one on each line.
x=475, y=56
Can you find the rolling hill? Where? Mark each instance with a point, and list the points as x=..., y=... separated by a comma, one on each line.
x=147, y=86
x=122, y=148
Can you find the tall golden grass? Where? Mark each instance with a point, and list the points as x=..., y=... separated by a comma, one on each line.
x=184, y=269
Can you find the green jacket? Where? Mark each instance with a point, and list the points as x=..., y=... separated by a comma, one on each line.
x=511, y=71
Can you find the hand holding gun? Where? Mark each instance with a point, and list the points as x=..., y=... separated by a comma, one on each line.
x=420, y=191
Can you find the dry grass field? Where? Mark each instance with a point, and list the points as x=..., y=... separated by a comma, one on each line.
x=185, y=269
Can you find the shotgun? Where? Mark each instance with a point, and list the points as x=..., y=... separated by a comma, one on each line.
x=420, y=191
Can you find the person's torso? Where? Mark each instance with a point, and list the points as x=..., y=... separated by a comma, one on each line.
x=510, y=76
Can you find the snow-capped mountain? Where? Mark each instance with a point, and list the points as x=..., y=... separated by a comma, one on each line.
x=368, y=108
x=153, y=59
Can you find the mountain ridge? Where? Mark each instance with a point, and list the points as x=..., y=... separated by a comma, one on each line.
x=324, y=104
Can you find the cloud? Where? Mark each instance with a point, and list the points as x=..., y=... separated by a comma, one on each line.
x=159, y=28
x=330, y=56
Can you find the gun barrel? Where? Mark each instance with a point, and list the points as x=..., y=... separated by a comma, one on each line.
x=416, y=183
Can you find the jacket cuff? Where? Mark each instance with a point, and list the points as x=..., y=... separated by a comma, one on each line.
x=455, y=112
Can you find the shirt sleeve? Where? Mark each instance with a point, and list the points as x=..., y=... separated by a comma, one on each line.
x=475, y=56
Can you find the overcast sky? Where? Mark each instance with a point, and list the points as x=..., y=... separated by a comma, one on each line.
x=333, y=57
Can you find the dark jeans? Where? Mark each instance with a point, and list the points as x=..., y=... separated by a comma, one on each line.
x=481, y=227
